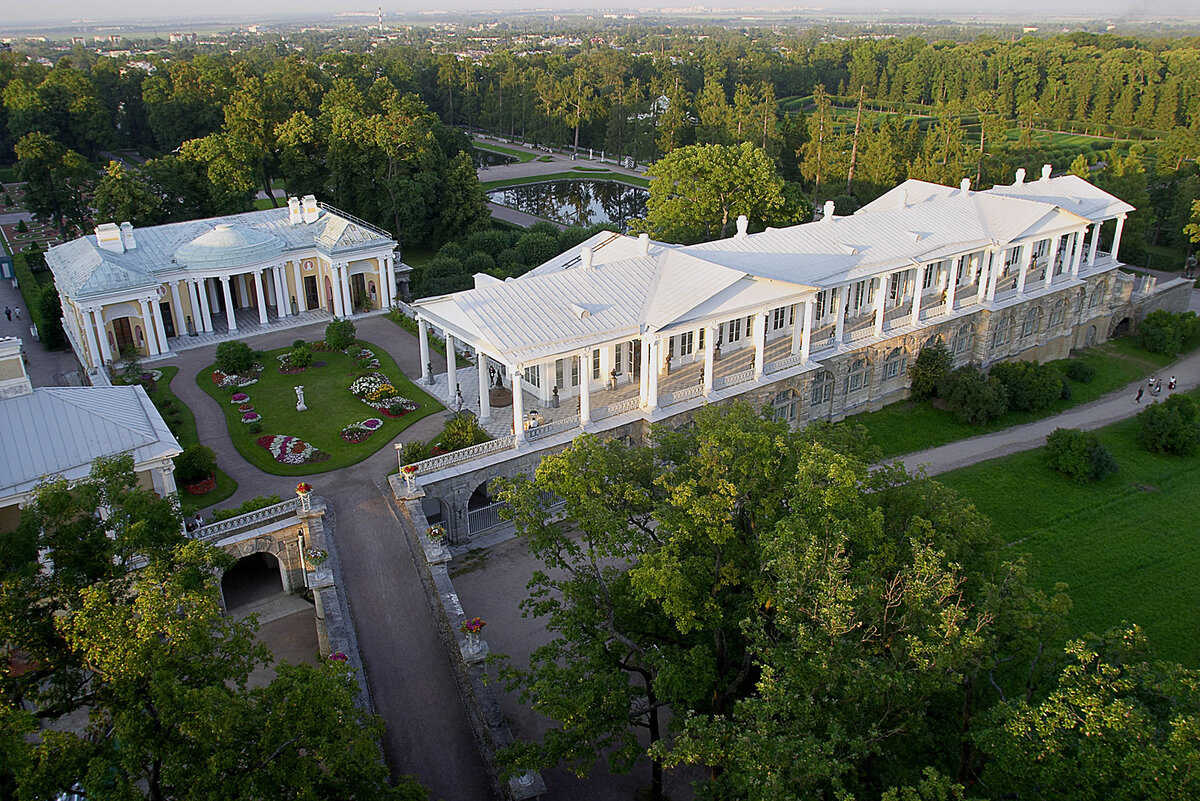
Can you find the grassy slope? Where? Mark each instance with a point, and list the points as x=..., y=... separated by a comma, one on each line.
x=607, y=175
x=330, y=407
x=520, y=155
x=910, y=426
x=1129, y=546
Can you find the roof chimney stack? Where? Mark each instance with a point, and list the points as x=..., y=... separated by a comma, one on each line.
x=964, y=186
x=311, y=212
x=902, y=198
x=743, y=225
x=108, y=237
x=828, y=215
x=643, y=244
x=294, y=215
x=1046, y=168
x=1020, y=177
x=127, y=240
x=585, y=256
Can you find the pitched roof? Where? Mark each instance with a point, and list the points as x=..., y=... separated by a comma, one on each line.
x=61, y=430
x=83, y=269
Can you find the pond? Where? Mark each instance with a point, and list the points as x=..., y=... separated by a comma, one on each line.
x=488, y=158
x=571, y=202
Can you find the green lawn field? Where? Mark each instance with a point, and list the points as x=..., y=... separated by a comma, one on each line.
x=1128, y=546
x=330, y=407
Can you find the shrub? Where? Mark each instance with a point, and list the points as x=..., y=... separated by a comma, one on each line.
x=1030, y=386
x=489, y=242
x=300, y=356
x=196, y=463
x=1169, y=333
x=235, y=357
x=254, y=504
x=50, y=329
x=1170, y=427
x=413, y=452
x=972, y=397
x=1081, y=371
x=22, y=227
x=298, y=343
x=255, y=427
x=479, y=262
x=340, y=334
x=535, y=248
x=931, y=367
x=1079, y=455
x=462, y=431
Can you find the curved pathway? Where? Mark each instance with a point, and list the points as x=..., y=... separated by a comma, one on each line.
x=407, y=671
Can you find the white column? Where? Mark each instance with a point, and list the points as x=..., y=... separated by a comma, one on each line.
x=203, y=289
x=952, y=283
x=585, y=390
x=160, y=330
x=918, y=288
x=880, y=302
x=194, y=297
x=338, y=309
x=995, y=263
x=168, y=478
x=230, y=319
x=1077, y=254
x=652, y=379
x=148, y=326
x=298, y=280
x=261, y=293
x=518, y=404
x=710, y=344
x=806, y=338
x=344, y=288
x=381, y=280
x=451, y=367
x=1052, y=260
x=644, y=378
x=391, y=280
x=839, y=327
x=105, y=350
x=485, y=402
x=89, y=329
x=1026, y=258
x=1116, y=245
x=211, y=294
x=760, y=344
x=1095, y=243
x=283, y=305
x=243, y=290
x=972, y=266
x=423, y=338
x=177, y=310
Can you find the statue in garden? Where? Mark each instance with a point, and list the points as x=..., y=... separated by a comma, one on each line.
x=300, y=407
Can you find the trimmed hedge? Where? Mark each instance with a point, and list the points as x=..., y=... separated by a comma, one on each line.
x=974, y=398
x=1079, y=456
x=1030, y=386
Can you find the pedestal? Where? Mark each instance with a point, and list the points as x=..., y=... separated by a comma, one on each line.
x=476, y=651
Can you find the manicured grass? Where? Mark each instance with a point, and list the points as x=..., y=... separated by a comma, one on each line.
x=607, y=175
x=330, y=407
x=520, y=155
x=1128, y=546
x=909, y=426
x=185, y=432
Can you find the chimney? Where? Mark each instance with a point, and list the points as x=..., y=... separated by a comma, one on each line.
x=964, y=186
x=108, y=236
x=311, y=212
x=902, y=199
x=1046, y=168
x=127, y=240
x=743, y=225
x=294, y=217
x=585, y=257
x=1020, y=177
x=643, y=244
x=828, y=216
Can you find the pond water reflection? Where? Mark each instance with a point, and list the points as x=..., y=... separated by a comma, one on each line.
x=487, y=158
x=582, y=202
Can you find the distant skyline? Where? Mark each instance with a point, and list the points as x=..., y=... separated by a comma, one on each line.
x=171, y=11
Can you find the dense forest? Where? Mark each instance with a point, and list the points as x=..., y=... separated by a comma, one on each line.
x=375, y=128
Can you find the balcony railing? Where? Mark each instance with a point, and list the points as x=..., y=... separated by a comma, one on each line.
x=436, y=463
x=736, y=378
x=613, y=409
x=791, y=360
x=550, y=429
x=694, y=391
x=251, y=520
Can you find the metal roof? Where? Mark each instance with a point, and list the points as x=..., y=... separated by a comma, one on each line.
x=228, y=246
x=62, y=430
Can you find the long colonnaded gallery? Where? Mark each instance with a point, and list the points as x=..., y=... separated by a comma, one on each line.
x=818, y=321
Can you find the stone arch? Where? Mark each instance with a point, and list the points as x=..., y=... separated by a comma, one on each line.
x=256, y=575
x=1120, y=327
x=1032, y=322
x=1090, y=338
x=963, y=340
x=895, y=363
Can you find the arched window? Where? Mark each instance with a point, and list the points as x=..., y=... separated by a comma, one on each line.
x=1057, y=312
x=1002, y=332
x=822, y=388
x=895, y=364
x=1033, y=319
x=1097, y=296
x=857, y=379
x=786, y=405
x=964, y=338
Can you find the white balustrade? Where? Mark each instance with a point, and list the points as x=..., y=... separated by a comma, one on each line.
x=933, y=311
x=436, y=463
x=736, y=378
x=233, y=525
x=683, y=394
x=549, y=429
x=791, y=360
x=620, y=407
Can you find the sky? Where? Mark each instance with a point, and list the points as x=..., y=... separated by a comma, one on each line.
x=167, y=10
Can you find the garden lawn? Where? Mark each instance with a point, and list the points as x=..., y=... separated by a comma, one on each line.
x=520, y=155
x=330, y=407
x=909, y=426
x=185, y=431
x=606, y=175
x=1128, y=546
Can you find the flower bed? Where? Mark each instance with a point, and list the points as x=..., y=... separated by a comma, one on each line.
x=251, y=417
x=286, y=367
x=232, y=380
x=201, y=487
x=376, y=390
x=246, y=407
x=289, y=450
x=358, y=432
x=239, y=397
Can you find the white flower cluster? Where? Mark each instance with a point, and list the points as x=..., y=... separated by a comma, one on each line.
x=369, y=383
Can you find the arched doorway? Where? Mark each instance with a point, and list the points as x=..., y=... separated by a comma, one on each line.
x=252, y=578
x=1120, y=329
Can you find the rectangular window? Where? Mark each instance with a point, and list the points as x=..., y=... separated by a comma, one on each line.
x=777, y=319
x=858, y=295
x=685, y=343
x=891, y=369
x=617, y=357
x=735, y=330
x=558, y=373
x=930, y=276
x=701, y=345
x=596, y=364
x=574, y=371
x=791, y=315
x=533, y=375
x=893, y=286
x=819, y=312
x=670, y=347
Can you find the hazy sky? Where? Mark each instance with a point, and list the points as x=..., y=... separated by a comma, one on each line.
x=167, y=10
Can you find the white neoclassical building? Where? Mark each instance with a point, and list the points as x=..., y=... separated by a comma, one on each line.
x=160, y=287
x=819, y=320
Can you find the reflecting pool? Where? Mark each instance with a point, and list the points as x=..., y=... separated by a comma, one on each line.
x=576, y=202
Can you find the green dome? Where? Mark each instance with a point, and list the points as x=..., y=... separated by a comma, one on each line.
x=228, y=246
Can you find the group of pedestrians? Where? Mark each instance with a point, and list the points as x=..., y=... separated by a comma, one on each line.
x=10, y=312
x=1155, y=385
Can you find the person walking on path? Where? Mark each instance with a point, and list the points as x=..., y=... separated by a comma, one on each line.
x=17, y=311
x=8, y=313
x=1141, y=389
